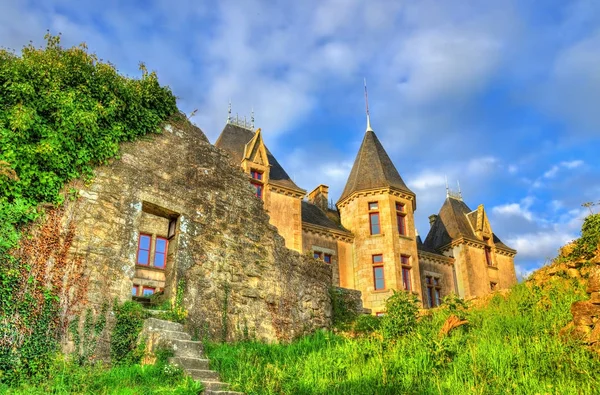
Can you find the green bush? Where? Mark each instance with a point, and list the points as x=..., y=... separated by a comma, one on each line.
x=366, y=324
x=587, y=245
x=401, y=310
x=342, y=315
x=62, y=112
x=124, y=346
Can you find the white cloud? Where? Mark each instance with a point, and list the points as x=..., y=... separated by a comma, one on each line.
x=553, y=171
x=540, y=245
x=514, y=209
x=426, y=180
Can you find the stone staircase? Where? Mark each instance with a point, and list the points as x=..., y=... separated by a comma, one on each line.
x=188, y=354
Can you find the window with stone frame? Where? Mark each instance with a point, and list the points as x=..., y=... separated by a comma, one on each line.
x=433, y=290
x=148, y=291
x=152, y=257
x=258, y=189
x=406, y=272
x=256, y=175
x=374, y=225
x=401, y=219
x=493, y=286
x=317, y=255
x=135, y=290
x=327, y=258
x=378, y=272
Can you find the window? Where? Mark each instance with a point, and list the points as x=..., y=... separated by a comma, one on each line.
x=434, y=289
x=488, y=256
x=401, y=219
x=406, y=279
x=405, y=260
x=257, y=175
x=143, y=254
x=373, y=206
x=317, y=255
x=493, y=286
x=377, y=258
x=160, y=254
x=258, y=190
x=135, y=290
x=327, y=258
x=378, y=278
x=374, y=222
x=148, y=291
x=379, y=314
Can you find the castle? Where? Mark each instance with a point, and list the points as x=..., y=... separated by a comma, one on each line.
x=370, y=240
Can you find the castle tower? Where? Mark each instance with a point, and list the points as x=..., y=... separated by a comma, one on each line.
x=378, y=207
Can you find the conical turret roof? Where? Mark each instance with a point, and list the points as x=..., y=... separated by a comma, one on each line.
x=372, y=168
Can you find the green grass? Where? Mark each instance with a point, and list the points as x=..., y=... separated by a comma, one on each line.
x=69, y=378
x=511, y=346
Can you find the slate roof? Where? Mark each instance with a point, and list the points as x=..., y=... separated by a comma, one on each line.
x=233, y=139
x=453, y=222
x=312, y=214
x=372, y=168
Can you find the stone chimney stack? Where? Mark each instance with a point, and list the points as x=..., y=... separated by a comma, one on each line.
x=432, y=219
x=320, y=197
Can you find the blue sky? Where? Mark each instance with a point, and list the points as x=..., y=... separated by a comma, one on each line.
x=501, y=95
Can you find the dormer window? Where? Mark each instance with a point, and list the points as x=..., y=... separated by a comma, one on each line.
x=256, y=175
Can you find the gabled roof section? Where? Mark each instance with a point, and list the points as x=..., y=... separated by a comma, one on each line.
x=233, y=139
x=372, y=168
x=255, y=150
x=312, y=214
x=455, y=220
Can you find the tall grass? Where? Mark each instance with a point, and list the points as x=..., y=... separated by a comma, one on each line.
x=510, y=346
x=69, y=378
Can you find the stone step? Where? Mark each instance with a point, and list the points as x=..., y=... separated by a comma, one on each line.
x=175, y=335
x=154, y=324
x=184, y=348
x=201, y=374
x=190, y=363
x=214, y=386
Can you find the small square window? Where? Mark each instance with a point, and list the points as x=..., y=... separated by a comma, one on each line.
x=493, y=286
x=400, y=207
x=327, y=258
x=373, y=206
x=377, y=258
x=379, y=314
x=404, y=260
x=135, y=290
x=257, y=175
x=317, y=255
x=148, y=291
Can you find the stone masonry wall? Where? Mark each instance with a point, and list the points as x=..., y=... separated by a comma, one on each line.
x=236, y=268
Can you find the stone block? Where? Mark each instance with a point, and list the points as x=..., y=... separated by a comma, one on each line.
x=594, y=280
x=583, y=312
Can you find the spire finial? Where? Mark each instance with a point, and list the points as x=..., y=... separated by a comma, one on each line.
x=369, y=129
x=229, y=112
x=447, y=188
x=252, y=119
x=459, y=192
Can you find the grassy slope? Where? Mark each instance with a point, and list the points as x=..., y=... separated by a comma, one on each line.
x=511, y=345
x=68, y=378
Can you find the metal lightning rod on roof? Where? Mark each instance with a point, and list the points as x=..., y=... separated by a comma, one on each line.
x=367, y=103
x=459, y=192
x=229, y=112
x=447, y=188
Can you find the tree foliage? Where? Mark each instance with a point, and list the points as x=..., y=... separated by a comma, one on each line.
x=62, y=112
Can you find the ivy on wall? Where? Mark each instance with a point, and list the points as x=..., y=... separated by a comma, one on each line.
x=63, y=111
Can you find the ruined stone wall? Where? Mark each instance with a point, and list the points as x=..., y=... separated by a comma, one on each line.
x=236, y=268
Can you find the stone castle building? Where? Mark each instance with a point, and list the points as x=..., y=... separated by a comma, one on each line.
x=369, y=238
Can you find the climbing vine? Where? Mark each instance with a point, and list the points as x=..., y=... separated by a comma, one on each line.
x=62, y=112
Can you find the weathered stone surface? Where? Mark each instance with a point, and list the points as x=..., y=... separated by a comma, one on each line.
x=584, y=312
x=573, y=273
x=594, y=280
x=235, y=266
x=595, y=297
x=595, y=335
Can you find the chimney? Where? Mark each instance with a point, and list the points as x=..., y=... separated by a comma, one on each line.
x=320, y=197
x=432, y=219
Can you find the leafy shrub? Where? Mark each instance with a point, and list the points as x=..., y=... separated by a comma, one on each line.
x=366, y=324
x=62, y=112
x=129, y=320
x=400, y=317
x=342, y=315
x=589, y=242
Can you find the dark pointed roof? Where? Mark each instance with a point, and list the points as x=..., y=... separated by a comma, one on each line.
x=372, y=168
x=233, y=139
x=312, y=214
x=453, y=222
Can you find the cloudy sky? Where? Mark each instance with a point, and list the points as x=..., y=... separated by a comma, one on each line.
x=501, y=95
